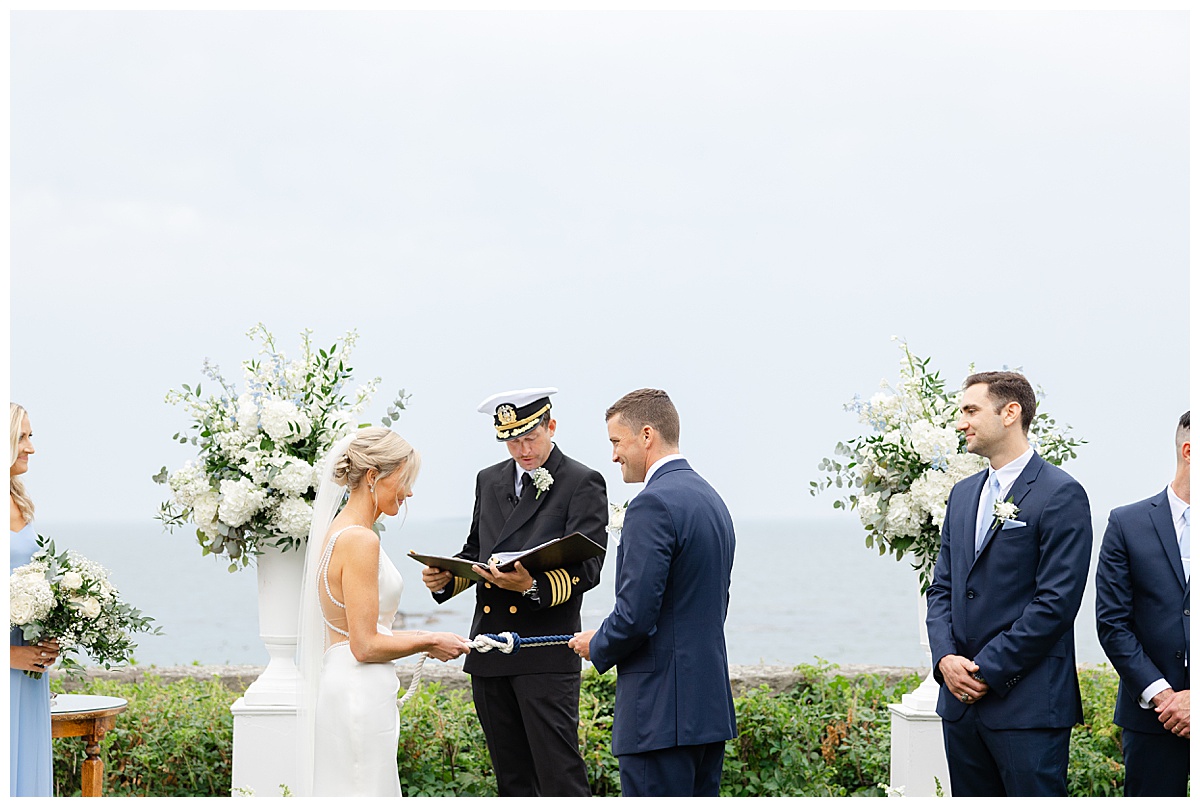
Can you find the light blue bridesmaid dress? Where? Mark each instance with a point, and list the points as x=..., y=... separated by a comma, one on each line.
x=29, y=751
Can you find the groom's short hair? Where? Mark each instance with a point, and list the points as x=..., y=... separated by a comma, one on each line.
x=1183, y=432
x=648, y=407
x=1005, y=387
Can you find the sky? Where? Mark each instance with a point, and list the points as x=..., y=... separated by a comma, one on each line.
x=739, y=208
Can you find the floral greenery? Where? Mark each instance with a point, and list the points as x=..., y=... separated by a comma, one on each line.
x=65, y=596
x=829, y=735
x=255, y=479
x=899, y=478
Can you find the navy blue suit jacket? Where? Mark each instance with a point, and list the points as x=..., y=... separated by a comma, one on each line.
x=1142, y=606
x=666, y=634
x=1012, y=610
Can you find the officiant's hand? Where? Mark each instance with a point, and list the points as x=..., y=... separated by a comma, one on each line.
x=517, y=580
x=436, y=579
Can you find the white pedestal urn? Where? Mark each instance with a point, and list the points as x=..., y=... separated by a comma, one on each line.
x=918, y=751
x=264, y=718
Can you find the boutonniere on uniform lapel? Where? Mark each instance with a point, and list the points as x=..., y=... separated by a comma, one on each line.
x=1005, y=513
x=542, y=480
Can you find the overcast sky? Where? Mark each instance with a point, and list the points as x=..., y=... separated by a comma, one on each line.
x=739, y=208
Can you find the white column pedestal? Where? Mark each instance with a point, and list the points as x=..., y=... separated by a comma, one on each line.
x=264, y=749
x=918, y=750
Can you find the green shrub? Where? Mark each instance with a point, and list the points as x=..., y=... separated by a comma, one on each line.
x=172, y=740
x=829, y=735
x=1095, y=767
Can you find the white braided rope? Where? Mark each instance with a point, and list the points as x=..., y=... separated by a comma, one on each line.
x=481, y=644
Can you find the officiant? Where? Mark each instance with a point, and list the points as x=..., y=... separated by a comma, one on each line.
x=528, y=702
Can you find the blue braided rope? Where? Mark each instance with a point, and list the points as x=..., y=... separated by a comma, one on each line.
x=532, y=641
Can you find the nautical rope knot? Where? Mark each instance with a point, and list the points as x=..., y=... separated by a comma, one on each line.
x=506, y=642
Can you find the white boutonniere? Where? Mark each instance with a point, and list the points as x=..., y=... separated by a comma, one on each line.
x=616, y=520
x=542, y=480
x=1004, y=511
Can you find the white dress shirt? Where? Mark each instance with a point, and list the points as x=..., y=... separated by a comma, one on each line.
x=1008, y=476
x=663, y=461
x=1178, y=505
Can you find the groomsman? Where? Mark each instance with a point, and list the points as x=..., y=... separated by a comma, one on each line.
x=666, y=634
x=528, y=702
x=1016, y=542
x=1143, y=581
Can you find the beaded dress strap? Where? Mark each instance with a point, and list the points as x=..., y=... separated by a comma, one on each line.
x=324, y=568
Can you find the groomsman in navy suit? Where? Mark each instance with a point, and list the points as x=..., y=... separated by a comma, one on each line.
x=1142, y=618
x=666, y=634
x=1016, y=543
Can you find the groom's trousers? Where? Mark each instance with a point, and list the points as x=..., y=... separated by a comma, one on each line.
x=536, y=710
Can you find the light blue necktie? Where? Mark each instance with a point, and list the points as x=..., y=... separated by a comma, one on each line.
x=1185, y=543
x=986, y=517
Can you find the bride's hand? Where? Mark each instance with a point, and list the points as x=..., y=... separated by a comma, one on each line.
x=447, y=646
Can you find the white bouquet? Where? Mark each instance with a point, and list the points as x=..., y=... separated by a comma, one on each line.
x=899, y=478
x=69, y=598
x=254, y=480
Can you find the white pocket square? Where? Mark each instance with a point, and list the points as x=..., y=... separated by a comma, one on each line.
x=1011, y=524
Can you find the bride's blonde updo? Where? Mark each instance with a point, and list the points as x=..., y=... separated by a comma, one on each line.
x=379, y=449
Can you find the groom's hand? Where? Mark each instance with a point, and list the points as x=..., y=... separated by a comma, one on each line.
x=517, y=580
x=581, y=643
x=956, y=674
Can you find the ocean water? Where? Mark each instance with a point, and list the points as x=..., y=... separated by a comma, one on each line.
x=802, y=590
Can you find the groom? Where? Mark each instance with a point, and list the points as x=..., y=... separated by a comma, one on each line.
x=528, y=702
x=1016, y=542
x=666, y=634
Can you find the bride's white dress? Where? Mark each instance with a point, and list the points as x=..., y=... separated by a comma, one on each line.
x=357, y=722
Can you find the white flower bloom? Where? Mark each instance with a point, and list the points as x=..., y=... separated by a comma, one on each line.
x=616, y=516
x=868, y=509
x=188, y=482
x=542, y=480
x=904, y=516
x=239, y=501
x=88, y=606
x=931, y=442
x=247, y=414
x=277, y=418
x=72, y=581
x=1006, y=511
x=293, y=518
x=30, y=598
x=295, y=477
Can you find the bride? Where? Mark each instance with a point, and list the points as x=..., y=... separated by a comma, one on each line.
x=348, y=715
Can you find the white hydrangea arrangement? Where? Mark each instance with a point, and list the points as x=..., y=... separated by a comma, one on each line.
x=67, y=597
x=255, y=478
x=899, y=477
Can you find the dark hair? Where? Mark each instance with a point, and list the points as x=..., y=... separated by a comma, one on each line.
x=1005, y=388
x=1183, y=432
x=648, y=407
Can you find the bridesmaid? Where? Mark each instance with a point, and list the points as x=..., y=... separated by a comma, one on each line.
x=30, y=757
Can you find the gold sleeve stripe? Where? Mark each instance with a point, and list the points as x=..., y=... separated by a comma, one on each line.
x=560, y=586
x=460, y=585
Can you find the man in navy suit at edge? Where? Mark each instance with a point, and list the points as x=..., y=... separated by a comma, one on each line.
x=1143, y=581
x=666, y=633
x=1016, y=543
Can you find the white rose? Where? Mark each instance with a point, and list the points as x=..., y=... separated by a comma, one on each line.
x=21, y=608
x=88, y=606
x=72, y=580
x=616, y=517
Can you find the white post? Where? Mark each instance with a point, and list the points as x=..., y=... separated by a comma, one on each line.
x=264, y=718
x=918, y=751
